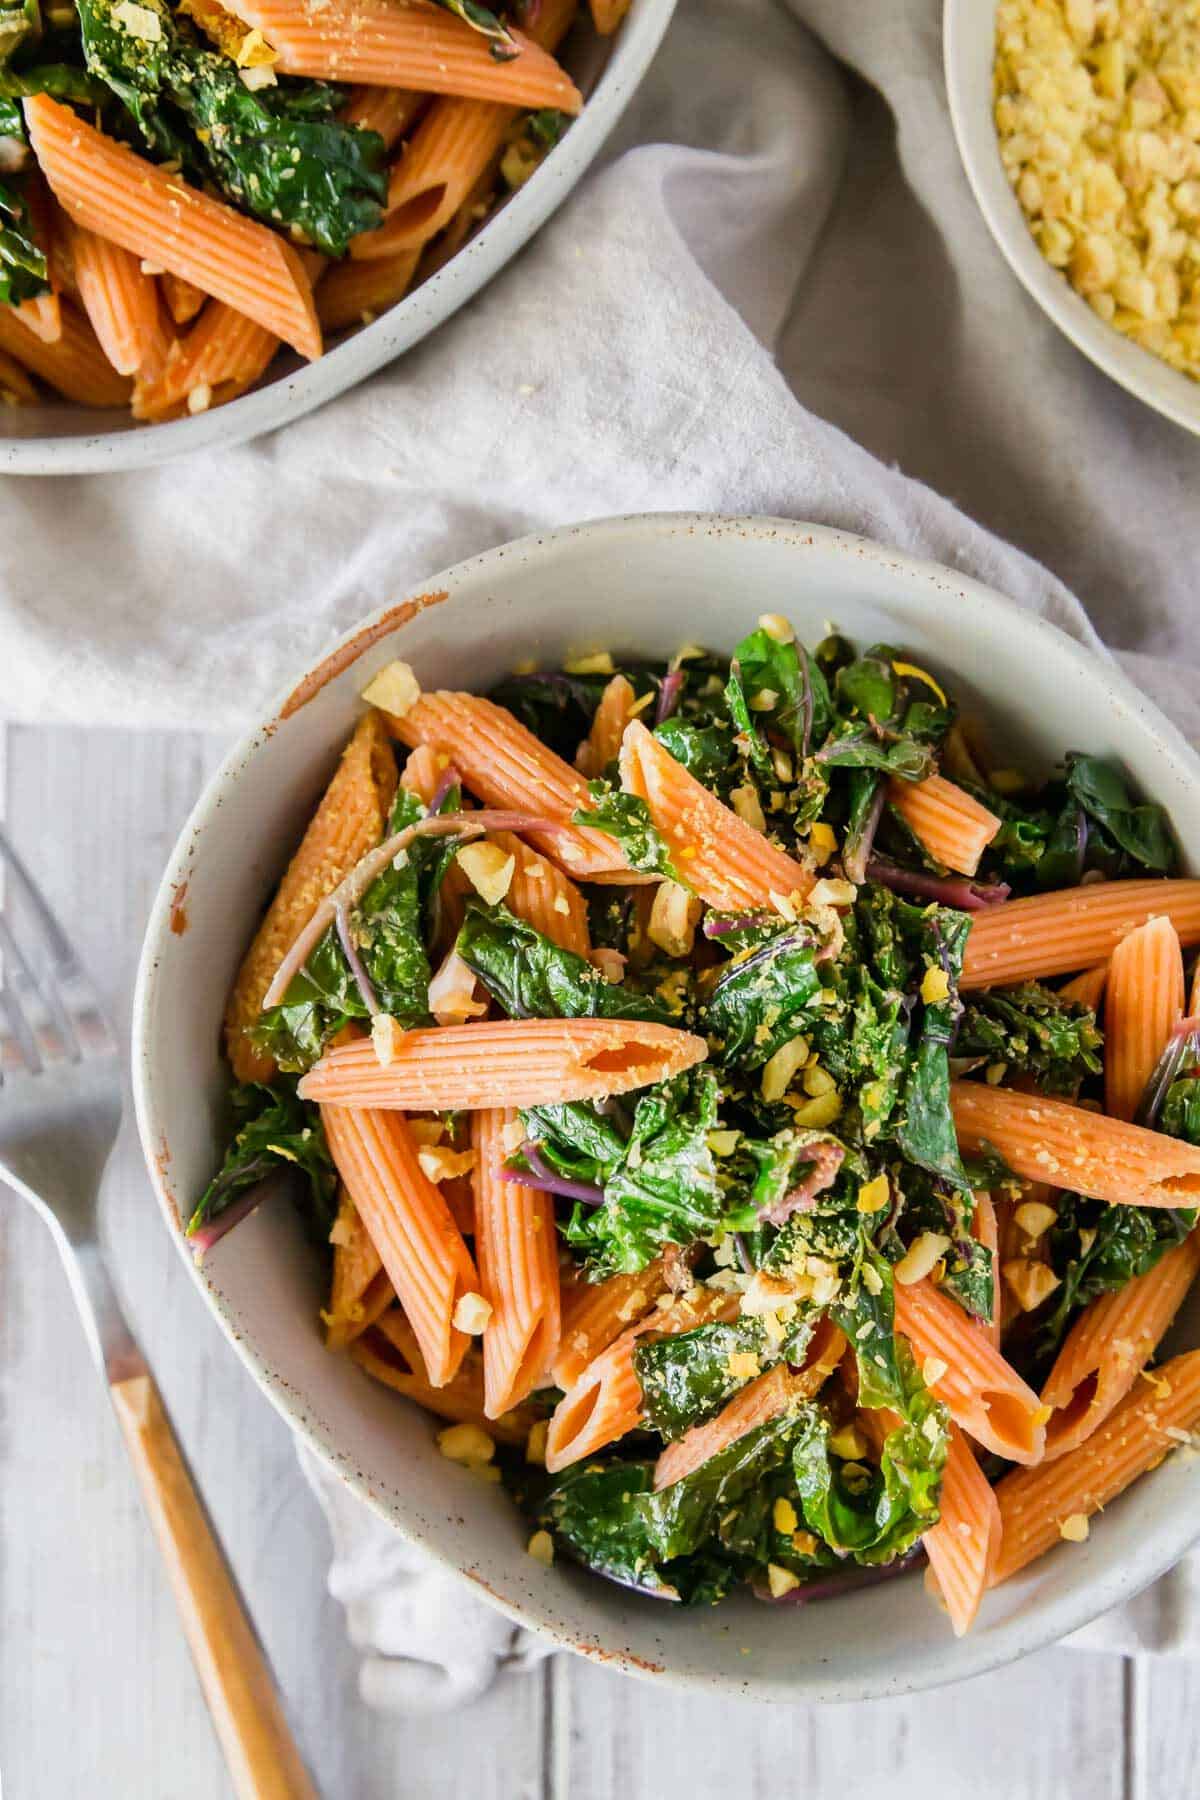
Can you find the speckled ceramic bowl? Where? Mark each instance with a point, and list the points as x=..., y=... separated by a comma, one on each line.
x=969, y=36
x=59, y=438
x=643, y=584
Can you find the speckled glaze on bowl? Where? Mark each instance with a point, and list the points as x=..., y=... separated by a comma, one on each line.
x=969, y=33
x=63, y=439
x=646, y=584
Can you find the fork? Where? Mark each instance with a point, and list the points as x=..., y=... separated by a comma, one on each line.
x=60, y=1111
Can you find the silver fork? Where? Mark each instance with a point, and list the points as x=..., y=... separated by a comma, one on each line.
x=60, y=1111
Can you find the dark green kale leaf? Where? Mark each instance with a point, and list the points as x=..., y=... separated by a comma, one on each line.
x=1084, y=819
x=665, y=1189
x=627, y=818
x=1096, y=1248
x=280, y=152
x=926, y=1133
x=873, y=1513
x=691, y=1513
x=531, y=977
x=558, y=708
x=1032, y=1031
x=685, y=1378
x=594, y=1512
x=23, y=271
x=779, y=687
x=20, y=25
x=482, y=19
x=887, y=718
x=1180, y=1114
x=1140, y=831
x=760, y=1001
x=930, y=1204
x=706, y=751
x=273, y=1127
x=577, y=1140
x=386, y=926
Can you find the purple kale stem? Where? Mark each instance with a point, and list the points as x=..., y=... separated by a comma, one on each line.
x=833, y=1585
x=1183, y=1044
x=205, y=1236
x=747, y=921
x=361, y=979
x=542, y=1177
x=855, y=862
x=806, y=702
x=743, y=1250
x=668, y=696
x=450, y=778
x=967, y=896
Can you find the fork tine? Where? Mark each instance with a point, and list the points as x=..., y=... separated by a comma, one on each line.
x=39, y=1027
x=71, y=995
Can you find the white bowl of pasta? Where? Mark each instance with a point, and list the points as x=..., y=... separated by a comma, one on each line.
x=313, y=233
x=726, y=1169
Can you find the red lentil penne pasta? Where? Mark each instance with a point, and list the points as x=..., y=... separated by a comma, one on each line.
x=388, y=111
x=953, y=827
x=1039, y=1506
x=354, y=293
x=985, y=1396
x=74, y=365
x=516, y=1242
x=349, y=821
x=963, y=1546
x=1194, y=996
x=1058, y=933
x=409, y=1223
x=1087, y=989
x=15, y=385
x=729, y=865
x=184, y=299
x=120, y=301
x=223, y=349
x=105, y=186
x=1143, y=1003
x=359, y=1289
x=607, y=15
x=504, y=1062
x=606, y=1400
x=985, y=1231
x=42, y=316
x=406, y=44
x=761, y=1399
x=594, y=1314
x=602, y=745
x=503, y=764
x=388, y=1350
x=544, y=897
x=1070, y=1147
x=1110, y=1344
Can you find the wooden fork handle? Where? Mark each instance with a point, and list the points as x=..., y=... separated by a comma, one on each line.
x=263, y=1761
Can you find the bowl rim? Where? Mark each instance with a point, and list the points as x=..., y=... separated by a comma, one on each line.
x=1057, y=1616
x=289, y=397
x=1164, y=389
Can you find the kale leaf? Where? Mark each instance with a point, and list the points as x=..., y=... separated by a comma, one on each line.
x=627, y=818
x=1096, y=1248
x=682, y=1518
x=280, y=152
x=778, y=686
x=1140, y=832
x=685, y=1377
x=926, y=1133
x=1032, y=1031
x=23, y=271
x=532, y=977
x=273, y=1126
x=761, y=1000
x=594, y=1512
x=577, y=1140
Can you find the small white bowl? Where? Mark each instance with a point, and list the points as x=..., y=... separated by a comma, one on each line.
x=968, y=42
x=58, y=438
x=641, y=584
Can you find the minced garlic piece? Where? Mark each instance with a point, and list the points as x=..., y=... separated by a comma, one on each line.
x=440, y=1163
x=1034, y=1217
x=488, y=869
x=849, y=1442
x=780, y=1581
x=386, y=1038
x=395, y=689
x=816, y=1080
x=1074, y=1528
x=829, y=892
x=596, y=662
x=777, y=627
x=674, y=915
x=816, y=1114
x=747, y=806
x=139, y=21
x=541, y=1547
x=723, y=1143
x=254, y=52
x=468, y=1444
x=426, y=1131
x=932, y=1370
x=1097, y=110
x=1029, y=1282
x=471, y=1314
x=742, y=1365
x=921, y=1258
x=512, y=1136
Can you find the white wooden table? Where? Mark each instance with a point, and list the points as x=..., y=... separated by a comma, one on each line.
x=97, y=1695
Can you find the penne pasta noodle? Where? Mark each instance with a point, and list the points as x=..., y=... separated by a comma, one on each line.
x=516, y=1242
x=42, y=316
x=359, y=1290
x=504, y=1062
x=1144, y=1002
x=761, y=1399
x=1194, y=996
x=409, y=1223
x=1087, y=989
x=349, y=821
x=16, y=389
x=607, y=15
x=406, y=44
x=223, y=349
x=120, y=301
x=354, y=293
x=105, y=186
x=964, y=1544
x=388, y=1351
x=983, y=1393
x=951, y=825
x=602, y=745
x=1055, y=934
x=729, y=864
x=1038, y=1507
x=1110, y=1344
x=544, y=897
x=1070, y=1147
x=74, y=365
x=389, y=111
x=503, y=764
x=593, y=1314
x=606, y=1400
x=184, y=299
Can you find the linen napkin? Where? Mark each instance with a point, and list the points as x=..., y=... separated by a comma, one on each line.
x=775, y=296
